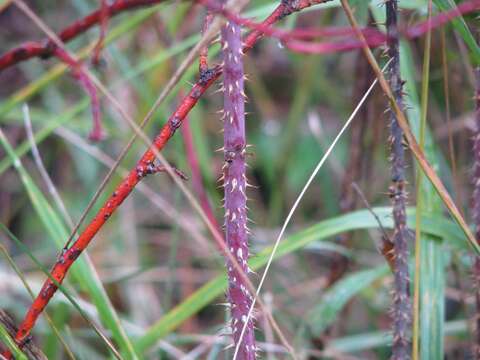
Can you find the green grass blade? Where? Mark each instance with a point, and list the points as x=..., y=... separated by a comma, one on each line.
x=335, y=298
x=55, y=335
x=363, y=219
x=10, y=343
x=42, y=134
x=83, y=270
x=379, y=339
x=462, y=28
x=67, y=294
x=432, y=264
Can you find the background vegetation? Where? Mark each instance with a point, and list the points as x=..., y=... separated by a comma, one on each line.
x=154, y=280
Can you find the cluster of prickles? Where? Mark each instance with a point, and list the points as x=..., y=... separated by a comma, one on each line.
x=401, y=312
x=235, y=183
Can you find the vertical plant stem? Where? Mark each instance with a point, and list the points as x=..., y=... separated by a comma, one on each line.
x=476, y=210
x=235, y=184
x=401, y=302
x=104, y=13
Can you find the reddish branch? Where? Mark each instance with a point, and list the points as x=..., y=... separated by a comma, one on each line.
x=46, y=47
x=235, y=184
x=78, y=73
x=476, y=210
x=103, y=31
x=143, y=167
x=294, y=39
x=401, y=296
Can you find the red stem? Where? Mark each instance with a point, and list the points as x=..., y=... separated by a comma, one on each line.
x=293, y=38
x=78, y=73
x=45, y=48
x=68, y=256
x=141, y=169
x=103, y=31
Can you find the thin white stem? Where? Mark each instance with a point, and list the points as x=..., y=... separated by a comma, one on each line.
x=297, y=202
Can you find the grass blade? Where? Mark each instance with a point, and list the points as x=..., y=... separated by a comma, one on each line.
x=83, y=271
x=363, y=219
x=7, y=340
x=462, y=28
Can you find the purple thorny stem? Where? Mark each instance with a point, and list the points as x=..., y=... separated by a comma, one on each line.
x=401, y=302
x=236, y=232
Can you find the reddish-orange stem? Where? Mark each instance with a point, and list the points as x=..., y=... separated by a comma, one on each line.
x=143, y=167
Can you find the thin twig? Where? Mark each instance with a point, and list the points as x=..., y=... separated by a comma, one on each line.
x=299, y=198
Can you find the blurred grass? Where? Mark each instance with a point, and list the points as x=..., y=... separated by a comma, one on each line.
x=429, y=250
x=324, y=229
x=10, y=343
x=83, y=270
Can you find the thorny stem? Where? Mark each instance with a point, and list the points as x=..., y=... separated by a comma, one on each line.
x=476, y=210
x=68, y=256
x=409, y=137
x=235, y=183
x=401, y=302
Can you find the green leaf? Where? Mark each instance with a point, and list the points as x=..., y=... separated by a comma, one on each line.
x=460, y=25
x=432, y=277
x=378, y=339
x=335, y=298
x=10, y=343
x=362, y=219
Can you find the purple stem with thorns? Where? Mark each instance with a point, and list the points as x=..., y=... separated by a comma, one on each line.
x=235, y=183
x=476, y=211
x=401, y=302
